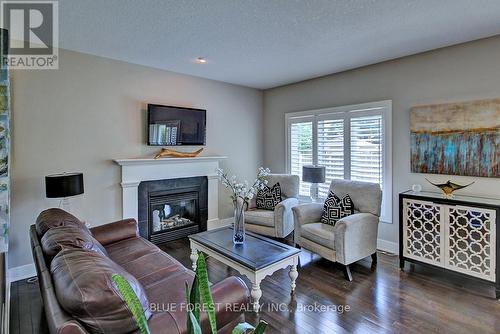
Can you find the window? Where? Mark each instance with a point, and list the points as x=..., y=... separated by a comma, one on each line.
x=352, y=142
x=330, y=151
x=301, y=148
x=366, y=149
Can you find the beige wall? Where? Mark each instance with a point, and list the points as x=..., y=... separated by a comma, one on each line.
x=460, y=73
x=92, y=110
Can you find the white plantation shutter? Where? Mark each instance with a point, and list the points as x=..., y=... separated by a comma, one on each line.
x=330, y=151
x=301, y=151
x=366, y=149
x=352, y=142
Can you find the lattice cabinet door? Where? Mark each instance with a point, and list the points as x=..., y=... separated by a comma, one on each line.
x=423, y=231
x=470, y=234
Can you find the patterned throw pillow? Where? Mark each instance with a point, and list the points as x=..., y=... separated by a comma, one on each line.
x=268, y=198
x=336, y=208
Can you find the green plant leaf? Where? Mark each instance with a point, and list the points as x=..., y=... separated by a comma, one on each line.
x=261, y=327
x=194, y=323
x=205, y=293
x=242, y=328
x=192, y=302
x=194, y=298
x=133, y=303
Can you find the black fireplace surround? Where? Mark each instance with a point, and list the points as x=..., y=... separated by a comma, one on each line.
x=172, y=209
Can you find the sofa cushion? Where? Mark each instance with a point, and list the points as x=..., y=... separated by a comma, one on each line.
x=268, y=198
x=336, y=208
x=55, y=217
x=69, y=237
x=319, y=233
x=153, y=267
x=260, y=217
x=85, y=289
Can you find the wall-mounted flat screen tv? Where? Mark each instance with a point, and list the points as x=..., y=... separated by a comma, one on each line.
x=174, y=126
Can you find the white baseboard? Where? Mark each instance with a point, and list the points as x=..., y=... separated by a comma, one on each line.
x=216, y=223
x=21, y=272
x=388, y=246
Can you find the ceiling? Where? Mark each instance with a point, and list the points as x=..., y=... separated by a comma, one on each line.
x=268, y=43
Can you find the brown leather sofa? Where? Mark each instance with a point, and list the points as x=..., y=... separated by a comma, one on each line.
x=74, y=265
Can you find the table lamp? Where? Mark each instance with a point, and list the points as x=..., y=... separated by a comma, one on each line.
x=63, y=186
x=314, y=175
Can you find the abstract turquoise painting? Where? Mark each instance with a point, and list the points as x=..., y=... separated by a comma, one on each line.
x=456, y=138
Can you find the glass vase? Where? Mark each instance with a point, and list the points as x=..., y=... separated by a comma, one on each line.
x=239, y=222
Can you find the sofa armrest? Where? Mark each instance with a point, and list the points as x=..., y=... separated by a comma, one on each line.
x=305, y=214
x=231, y=297
x=283, y=217
x=355, y=237
x=116, y=231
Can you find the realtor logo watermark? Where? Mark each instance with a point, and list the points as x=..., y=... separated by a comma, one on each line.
x=33, y=34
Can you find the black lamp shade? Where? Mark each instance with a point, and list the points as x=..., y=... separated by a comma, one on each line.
x=63, y=185
x=313, y=174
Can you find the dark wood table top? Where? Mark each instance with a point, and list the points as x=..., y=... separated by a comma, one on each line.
x=256, y=253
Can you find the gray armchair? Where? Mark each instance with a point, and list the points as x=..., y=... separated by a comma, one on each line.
x=353, y=237
x=278, y=223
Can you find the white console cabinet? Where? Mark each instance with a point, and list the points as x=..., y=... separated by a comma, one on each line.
x=458, y=234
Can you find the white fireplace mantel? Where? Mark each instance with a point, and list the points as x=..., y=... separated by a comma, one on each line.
x=135, y=171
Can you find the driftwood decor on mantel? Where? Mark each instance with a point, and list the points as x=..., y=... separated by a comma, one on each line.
x=169, y=153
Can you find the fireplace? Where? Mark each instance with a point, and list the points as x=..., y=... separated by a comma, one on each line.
x=172, y=209
x=135, y=172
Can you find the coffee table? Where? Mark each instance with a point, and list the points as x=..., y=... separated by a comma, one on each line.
x=257, y=258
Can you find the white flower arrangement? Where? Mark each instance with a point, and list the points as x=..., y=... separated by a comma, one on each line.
x=242, y=190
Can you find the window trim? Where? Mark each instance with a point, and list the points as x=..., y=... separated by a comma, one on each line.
x=347, y=112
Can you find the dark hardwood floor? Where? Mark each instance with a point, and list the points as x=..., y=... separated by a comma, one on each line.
x=26, y=308
x=381, y=299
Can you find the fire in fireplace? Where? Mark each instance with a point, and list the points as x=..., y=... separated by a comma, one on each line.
x=172, y=209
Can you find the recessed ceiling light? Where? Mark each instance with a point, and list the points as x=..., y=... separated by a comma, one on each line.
x=200, y=60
